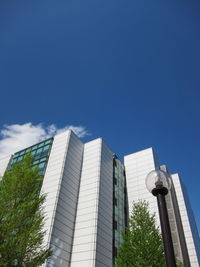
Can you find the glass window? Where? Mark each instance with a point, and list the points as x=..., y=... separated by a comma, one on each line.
x=37, y=156
x=46, y=147
x=117, y=235
x=33, y=152
x=33, y=147
x=14, y=160
x=44, y=153
x=38, y=150
x=41, y=165
x=43, y=159
x=19, y=158
x=48, y=141
x=114, y=201
x=41, y=144
x=116, y=210
x=41, y=172
x=115, y=225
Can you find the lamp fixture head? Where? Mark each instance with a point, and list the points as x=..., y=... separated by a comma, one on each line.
x=158, y=181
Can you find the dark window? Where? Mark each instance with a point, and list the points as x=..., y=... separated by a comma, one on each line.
x=114, y=201
x=115, y=225
x=115, y=252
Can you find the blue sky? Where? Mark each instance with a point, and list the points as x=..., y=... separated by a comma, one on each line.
x=125, y=70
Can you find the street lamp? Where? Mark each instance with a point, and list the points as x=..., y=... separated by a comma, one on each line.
x=158, y=183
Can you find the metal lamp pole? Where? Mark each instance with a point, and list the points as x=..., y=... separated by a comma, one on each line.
x=160, y=190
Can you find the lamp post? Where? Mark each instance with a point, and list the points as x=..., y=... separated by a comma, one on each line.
x=159, y=184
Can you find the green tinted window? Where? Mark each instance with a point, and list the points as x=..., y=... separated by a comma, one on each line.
x=119, y=210
x=33, y=152
x=14, y=160
x=34, y=147
x=19, y=158
x=39, y=152
x=46, y=147
x=41, y=144
x=43, y=159
x=41, y=165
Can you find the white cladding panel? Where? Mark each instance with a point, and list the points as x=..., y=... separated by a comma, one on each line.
x=187, y=227
x=84, y=246
x=95, y=198
x=3, y=164
x=137, y=166
x=61, y=184
x=105, y=210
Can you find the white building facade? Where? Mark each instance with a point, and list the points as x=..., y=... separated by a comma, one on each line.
x=88, y=193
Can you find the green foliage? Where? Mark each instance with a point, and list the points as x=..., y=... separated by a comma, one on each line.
x=22, y=217
x=143, y=245
x=179, y=264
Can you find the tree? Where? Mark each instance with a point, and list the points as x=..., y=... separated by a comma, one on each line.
x=22, y=217
x=143, y=245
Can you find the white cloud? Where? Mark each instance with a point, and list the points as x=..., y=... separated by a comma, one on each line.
x=18, y=136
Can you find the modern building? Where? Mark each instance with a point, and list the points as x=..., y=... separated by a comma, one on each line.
x=89, y=191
